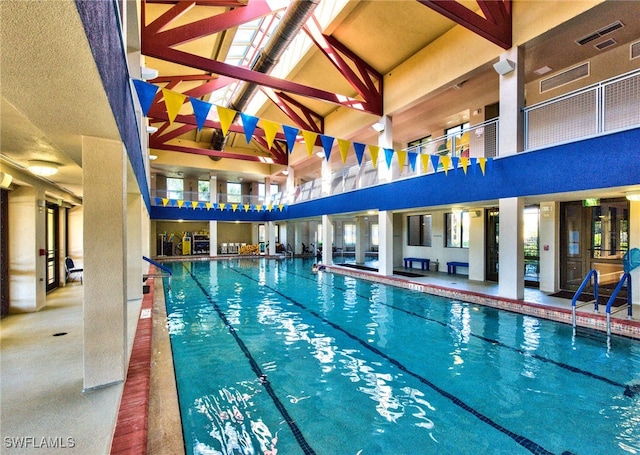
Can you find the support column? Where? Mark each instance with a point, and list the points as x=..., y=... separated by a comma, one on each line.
x=511, y=134
x=327, y=235
x=385, y=140
x=297, y=237
x=385, y=237
x=213, y=225
x=271, y=238
x=134, y=246
x=477, y=248
x=360, y=240
x=104, y=164
x=511, y=248
x=634, y=242
x=549, y=247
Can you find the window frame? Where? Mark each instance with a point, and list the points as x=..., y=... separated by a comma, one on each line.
x=424, y=229
x=461, y=233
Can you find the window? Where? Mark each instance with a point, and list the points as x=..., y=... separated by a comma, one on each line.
x=203, y=190
x=349, y=235
x=262, y=191
x=234, y=192
x=175, y=188
x=374, y=235
x=461, y=140
x=419, y=145
x=457, y=229
x=419, y=233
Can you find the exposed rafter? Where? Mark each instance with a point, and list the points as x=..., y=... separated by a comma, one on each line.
x=496, y=26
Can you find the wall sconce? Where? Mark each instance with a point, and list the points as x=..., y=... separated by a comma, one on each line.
x=633, y=196
x=378, y=126
x=42, y=168
x=148, y=73
x=504, y=67
x=5, y=180
x=151, y=129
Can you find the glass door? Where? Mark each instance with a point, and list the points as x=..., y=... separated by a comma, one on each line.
x=53, y=274
x=492, y=231
x=532, y=246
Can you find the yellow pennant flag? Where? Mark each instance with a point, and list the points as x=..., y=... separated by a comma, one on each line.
x=445, y=160
x=464, y=162
x=194, y=204
x=269, y=207
x=402, y=156
x=374, y=150
x=246, y=207
x=425, y=162
x=310, y=140
x=173, y=101
x=234, y=207
x=165, y=201
x=482, y=162
x=281, y=206
x=221, y=206
x=208, y=204
x=270, y=129
x=258, y=207
x=180, y=203
x=343, y=146
x=226, y=117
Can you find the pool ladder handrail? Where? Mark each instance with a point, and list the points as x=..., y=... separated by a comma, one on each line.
x=161, y=267
x=625, y=277
x=592, y=273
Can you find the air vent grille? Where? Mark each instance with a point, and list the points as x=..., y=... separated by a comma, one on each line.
x=605, y=44
x=599, y=33
x=635, y=50
x=565, y=77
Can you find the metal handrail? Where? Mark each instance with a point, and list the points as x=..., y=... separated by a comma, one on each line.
x=625, y=277
x=592, y=273
x=161, y=267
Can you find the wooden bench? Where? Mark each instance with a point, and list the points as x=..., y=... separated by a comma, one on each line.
x=451, y=266
x=424, y=263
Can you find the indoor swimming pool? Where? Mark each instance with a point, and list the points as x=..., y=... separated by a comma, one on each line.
x=273, y=358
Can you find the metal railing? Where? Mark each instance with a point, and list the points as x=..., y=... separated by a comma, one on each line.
x=161, y=267
x=626, y=279
x=592, y=274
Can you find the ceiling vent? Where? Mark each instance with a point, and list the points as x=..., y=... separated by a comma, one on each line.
x=599, y=33
x=605, y=44
x=564, y=77
x=635, y=50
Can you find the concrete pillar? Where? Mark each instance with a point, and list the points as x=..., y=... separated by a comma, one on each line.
x=385, y=140
x=271, y=238
x=477, y=248
x=327, y=235
x=361, y=247
x=104, y=164
x=549, y=242
x=634, y=242
x=134, y=246
x=213, y=238
x=27, y=236
x=511, y=131
x=511, y=248
x=297, y=238
x=385, y=237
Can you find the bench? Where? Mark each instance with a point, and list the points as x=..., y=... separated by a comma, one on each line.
x=424, y=263
x=451, y=266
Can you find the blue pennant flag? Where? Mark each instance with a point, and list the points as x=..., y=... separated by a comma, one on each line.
x=146, y=93
x=290, y=133
x=359, y=149
x=200, y=110
x=388, y=155
x=434, y=160
x=413, y=157
x=249, y=123
x=454, y=162
x=327, y=143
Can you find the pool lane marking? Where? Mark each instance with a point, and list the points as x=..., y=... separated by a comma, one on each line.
x=302, y=442
x=525, y=442
x=628, y=390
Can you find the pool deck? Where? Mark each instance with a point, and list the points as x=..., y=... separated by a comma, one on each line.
x=41, y=375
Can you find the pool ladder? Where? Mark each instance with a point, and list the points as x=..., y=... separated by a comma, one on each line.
x=161, y=267
x=593, y=274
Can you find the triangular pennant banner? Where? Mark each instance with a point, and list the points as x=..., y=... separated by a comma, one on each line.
x=226, y=117
x=424, y=159
x=234, y=207
x=200, y=110
x=290, y=133
x=310, y=140
x=359, y=149
x=435, y=159
x=473, y=162
x=482, y=162
x=413, y=157
x=249, y=123
x=258, y=207
x=146, y=92
x=445, y=160
x=180, y=203
x=388, y=155
x=208, y=205
x=221, y=206
x=327, y=143
x=194, y=204
x=343, y=146
x=270, y=129
x=464, y=162
x=173, y=102
x=374, y=150
x=158, y=200
x=247, y=207
x=402, y=156
x=269, y=207
x=454, y=162
x=165, y=201
x=281, y=206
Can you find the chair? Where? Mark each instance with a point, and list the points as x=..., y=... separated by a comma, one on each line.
x=71, y=269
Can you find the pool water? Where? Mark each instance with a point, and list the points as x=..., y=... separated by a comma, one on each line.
x=271, y=358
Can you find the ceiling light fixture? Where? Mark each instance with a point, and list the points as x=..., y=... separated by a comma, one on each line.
x=378, y=126
x=153, y=157
x=42, y=168
x=151, y=129
x=633, y=196
x=148, y=73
